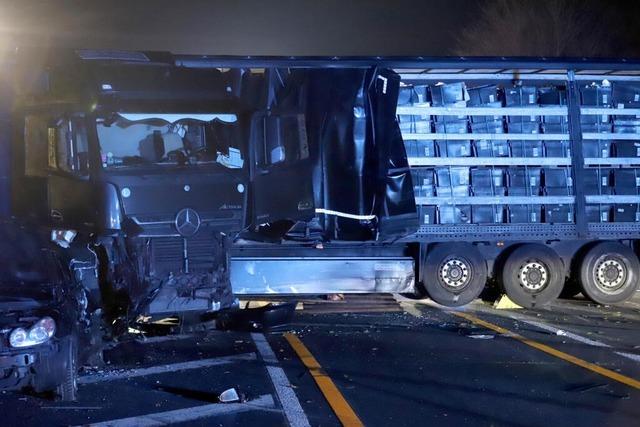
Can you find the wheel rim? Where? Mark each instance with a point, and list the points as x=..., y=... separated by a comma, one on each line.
x=533, y=276
x=455, y=273
x=610, y=274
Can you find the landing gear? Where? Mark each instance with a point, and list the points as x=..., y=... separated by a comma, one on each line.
x=609, y=273
x=532, y=275
x=454, y=274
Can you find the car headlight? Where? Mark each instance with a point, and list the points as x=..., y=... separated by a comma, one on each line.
x=39, y=333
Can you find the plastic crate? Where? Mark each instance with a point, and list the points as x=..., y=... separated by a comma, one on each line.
x=521, y=126
x=552, y=95
x=558, y=214
x=626, y=148
x=453, y=126
x=626, y=95
x=523, y=181
x=520, y=96
x=598, y=213
x=488, y=148
x=595, y=95
x=555, y=127
x=423, y=182
x=420, y=148
x=597, y=181
x=625, y=181
x=453, y=176
x=596, y=148
x=406, y=95
x=487, y=214
x=626, y=127
x=455, y=148
x=448, y=94
x=526, y=148
x=557, y=177
x=524, y=214
x=485, y=96
x=488, y=126
x=453, y=191
x=459, y=214
x=596, y=126
x=427, y=215
x=557, y=149
x=415, y=124
x=627, y=212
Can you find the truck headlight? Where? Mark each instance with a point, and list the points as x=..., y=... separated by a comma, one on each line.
x=39, y=333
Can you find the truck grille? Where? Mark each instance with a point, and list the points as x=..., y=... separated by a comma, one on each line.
x=168, y=253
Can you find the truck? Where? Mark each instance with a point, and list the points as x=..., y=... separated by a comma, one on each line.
x=180, y=182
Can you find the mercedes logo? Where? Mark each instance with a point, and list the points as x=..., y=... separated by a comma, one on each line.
x=187, y=222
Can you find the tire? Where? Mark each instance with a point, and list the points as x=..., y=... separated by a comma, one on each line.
x=609, y=273
x=532, y=275
x=454, y=274
x=68, y=389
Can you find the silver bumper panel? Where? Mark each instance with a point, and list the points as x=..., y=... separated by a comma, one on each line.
x=321, y=275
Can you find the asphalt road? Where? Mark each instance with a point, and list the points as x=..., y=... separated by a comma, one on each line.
x=571, y=364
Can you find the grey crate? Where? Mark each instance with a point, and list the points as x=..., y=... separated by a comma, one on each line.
x=460, y=214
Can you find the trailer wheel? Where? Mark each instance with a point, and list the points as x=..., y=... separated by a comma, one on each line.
x=454, y=274
x=532, y=275
x=609, y=273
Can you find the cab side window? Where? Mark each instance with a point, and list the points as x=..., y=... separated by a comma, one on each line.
x=56, y=144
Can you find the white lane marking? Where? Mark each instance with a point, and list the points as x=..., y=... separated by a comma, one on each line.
x=290, y=403
x=635, y=357
x=160, y=369
x=406, y=302
x=264, y=402
x=554, y=330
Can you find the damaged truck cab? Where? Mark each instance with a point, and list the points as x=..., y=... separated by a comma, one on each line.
x=153, y=170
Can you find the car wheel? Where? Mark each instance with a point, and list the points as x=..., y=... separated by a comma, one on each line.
x=68, y=389
x=532, y=275
x=609, y=273
x=454, y=274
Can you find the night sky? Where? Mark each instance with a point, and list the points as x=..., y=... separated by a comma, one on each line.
x=290, y=27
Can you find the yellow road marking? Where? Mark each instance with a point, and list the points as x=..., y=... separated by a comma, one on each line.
x=340, y=407
x=550, y=350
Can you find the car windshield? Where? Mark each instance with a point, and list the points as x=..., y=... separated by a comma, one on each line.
x=141, y=139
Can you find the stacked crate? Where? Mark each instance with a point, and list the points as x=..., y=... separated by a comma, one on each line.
x=480, y=191
x=611, y=172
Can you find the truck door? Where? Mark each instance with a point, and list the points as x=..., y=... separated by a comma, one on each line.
x=56, y=154
x=280, y=168
x=396, y=203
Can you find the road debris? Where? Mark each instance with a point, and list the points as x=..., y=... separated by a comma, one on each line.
x=505, y=303
x=482, y=336
x=229, y=396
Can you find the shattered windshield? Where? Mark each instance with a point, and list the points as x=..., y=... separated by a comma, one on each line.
x=140, y=139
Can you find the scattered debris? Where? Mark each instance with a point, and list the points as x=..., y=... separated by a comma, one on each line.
x=482, y=336
x=505, y=303
x=229, y=396
x=265, y=318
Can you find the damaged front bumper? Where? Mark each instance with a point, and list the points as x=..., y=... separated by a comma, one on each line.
x=191, y=292
x=39, y=367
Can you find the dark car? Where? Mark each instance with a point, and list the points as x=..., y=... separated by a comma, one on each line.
x=41, y=310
